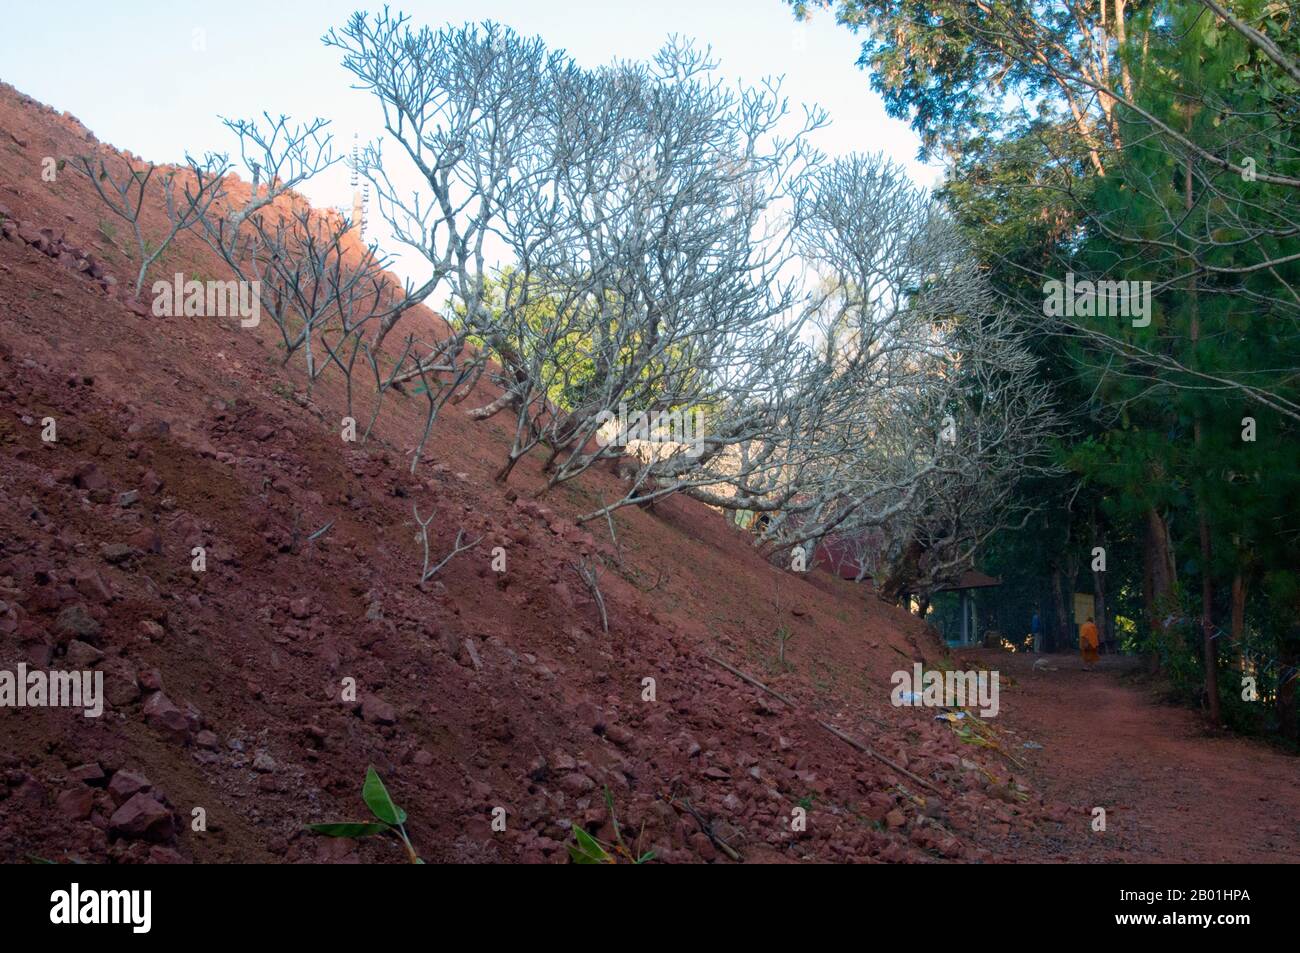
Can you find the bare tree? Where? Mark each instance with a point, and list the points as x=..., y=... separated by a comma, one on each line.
x=427, y=572
x=124, y=193
x=642, y=246
x=590, y=576
x=917, y=414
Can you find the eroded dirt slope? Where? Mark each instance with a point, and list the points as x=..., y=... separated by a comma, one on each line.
x=480, y=690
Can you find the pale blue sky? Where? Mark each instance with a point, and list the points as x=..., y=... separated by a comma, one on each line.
x=130, y=71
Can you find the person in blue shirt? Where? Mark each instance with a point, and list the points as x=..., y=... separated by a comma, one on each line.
x=1036, y=631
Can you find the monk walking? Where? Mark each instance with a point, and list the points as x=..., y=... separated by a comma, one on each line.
x=1088, y=642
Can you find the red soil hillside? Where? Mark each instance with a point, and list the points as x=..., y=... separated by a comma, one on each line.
x=479, y=690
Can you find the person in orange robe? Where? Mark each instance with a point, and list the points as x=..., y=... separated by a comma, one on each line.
x=1088, y=641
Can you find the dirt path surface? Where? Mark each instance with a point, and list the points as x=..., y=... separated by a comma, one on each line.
x=1172, y=792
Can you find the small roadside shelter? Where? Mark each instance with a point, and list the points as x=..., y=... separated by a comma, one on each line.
x=833, y=555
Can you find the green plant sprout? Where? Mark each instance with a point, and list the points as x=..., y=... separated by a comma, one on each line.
x=587, y=849
x=391, y=819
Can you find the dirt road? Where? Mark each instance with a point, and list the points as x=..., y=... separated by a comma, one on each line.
x=1172, y=792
